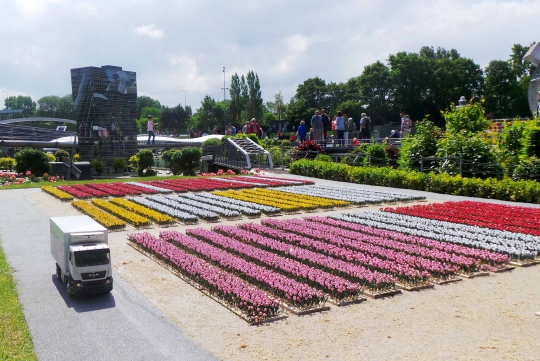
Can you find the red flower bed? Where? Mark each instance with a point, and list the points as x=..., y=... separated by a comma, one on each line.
x=111, y=191
x=496, y=216
x=75, y=192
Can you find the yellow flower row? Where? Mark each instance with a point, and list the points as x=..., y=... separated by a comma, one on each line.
x=157, y=217
x=55, y=192
x=285, y=201
x=128, y=216
x=107, y=220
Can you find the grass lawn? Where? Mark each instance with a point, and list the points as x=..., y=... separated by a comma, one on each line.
x=15, y=340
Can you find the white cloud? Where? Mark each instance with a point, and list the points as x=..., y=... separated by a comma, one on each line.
x=150, y=30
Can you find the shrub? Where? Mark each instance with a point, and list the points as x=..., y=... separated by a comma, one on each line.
x=51, y=157
x=324, y=158
x=209, y=144
x=377, y=155
x=527, y=169
x=77, y=157
x=358, y=157
x=7, y=163
x=469, y=119
x=98, y=165
x=146, y=161
x=134, y=162
x=150, y=173
x=507, y=189
x=188, y=160
x=32, y=160
x=60, y=154
x=420, y=145
x=119, y=163
x=531, y=141
x=251, y=136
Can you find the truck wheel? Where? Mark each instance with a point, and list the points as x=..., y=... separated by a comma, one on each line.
x=58, y=273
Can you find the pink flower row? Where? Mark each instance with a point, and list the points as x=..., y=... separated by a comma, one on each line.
x=267, y=238
x=294, y=292
x=337, y=287
x=254, y=303
x=446, y=249
x=319, y=242
x=101, y=190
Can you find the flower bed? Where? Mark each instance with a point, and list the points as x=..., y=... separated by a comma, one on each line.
x=75, y=192
x=353, y=195
x=150, y=187
x=293, y=292
x=122, y=213
x=286, y=244
x=105, y=219
x=222, y=211
x=273, y=182
x=207, y=198
x=253, y=303
x=199, y=212
x=155, y=216
x=93, y=192
x=496, y=216
x=63, y=196
x=306, y=182
x=182, y=216
x=337, y=287
x=282, y=200
x=263, y=208
x=108, y=189
x=516, y=245
x=468, y=259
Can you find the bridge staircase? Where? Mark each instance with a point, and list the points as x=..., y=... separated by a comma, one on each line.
x=242, y=153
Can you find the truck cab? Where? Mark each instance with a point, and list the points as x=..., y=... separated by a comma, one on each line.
x=80, y=248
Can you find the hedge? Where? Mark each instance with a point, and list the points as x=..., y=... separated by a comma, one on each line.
x=527, y=191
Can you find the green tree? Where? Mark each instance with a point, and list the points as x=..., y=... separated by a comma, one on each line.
x=376, y=91
x=47, y=106
x=254, y=104
x=66, y=109
x=422, y=144
x=21, y=102
x=144, y=101
x=146, y=160
x=469, y=119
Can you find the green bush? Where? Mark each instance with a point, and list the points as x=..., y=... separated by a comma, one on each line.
x=77, y=157
x=98, y=165
x=469, y=119
x=146, y=161
x=51, y=157
x=32, y=160
x=210, y=143
x=478, y=157
x=376, y=155
x=186, y=161
x=119, y=163
x=531, y=141
x=60, y=154
x=251, y=136
x=324, y=158
x=527, y=169
x=422, y=144
x=358, y=157
x=7, y=163
x=507, y=189
x=150, y=173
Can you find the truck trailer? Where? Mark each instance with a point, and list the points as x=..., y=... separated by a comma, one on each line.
x=79, y=245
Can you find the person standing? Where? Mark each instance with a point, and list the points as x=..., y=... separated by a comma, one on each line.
x=365, y=127
x=302, y=132
x=340, y=128
x=406, y=125
x=327, y=124
x=350, y=128
x=150, y=128
x=316, y=123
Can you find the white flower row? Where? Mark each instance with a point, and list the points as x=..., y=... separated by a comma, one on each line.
x=204, y=198
x=516, y=245
x=183, y=216
x=230, y=180
x=148, y=186
x=261, y=207
x=203, y=213
x=353, y=195
x=217, y=209
x=282, y=181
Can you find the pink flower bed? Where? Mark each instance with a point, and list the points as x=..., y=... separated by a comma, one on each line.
x=255, y=304
x=75, y=192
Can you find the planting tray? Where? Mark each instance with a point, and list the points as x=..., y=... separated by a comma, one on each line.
x=445, y=282
x=525, y=264
x=474, y=275
x=307, y=311
x=503, y=269
x=415, y=288
x=347, y=302
x=382, y=294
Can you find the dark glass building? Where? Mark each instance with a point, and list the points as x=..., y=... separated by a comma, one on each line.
x=105, y=104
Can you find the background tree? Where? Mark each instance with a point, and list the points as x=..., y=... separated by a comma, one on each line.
x=144, y=101
x=21, y=102
x=254, y=106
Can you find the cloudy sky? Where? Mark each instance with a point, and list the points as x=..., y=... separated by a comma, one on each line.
x=177, y=45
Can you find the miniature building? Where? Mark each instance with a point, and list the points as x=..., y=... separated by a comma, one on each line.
x=105, y=105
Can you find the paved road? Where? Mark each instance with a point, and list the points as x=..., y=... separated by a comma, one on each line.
x=120, y=326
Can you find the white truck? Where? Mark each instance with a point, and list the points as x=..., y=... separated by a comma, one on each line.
x=80, y=248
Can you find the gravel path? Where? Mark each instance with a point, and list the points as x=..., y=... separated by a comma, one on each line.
x=123, y=325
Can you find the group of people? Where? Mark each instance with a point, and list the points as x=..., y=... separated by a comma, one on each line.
x=343, y=128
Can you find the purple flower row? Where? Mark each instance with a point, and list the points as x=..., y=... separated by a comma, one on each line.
x=252, y=302
x=337, y=287
x=422, y=259
x=319, y=242
x=483, y=256
x=295, y=293
x=260, y=236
